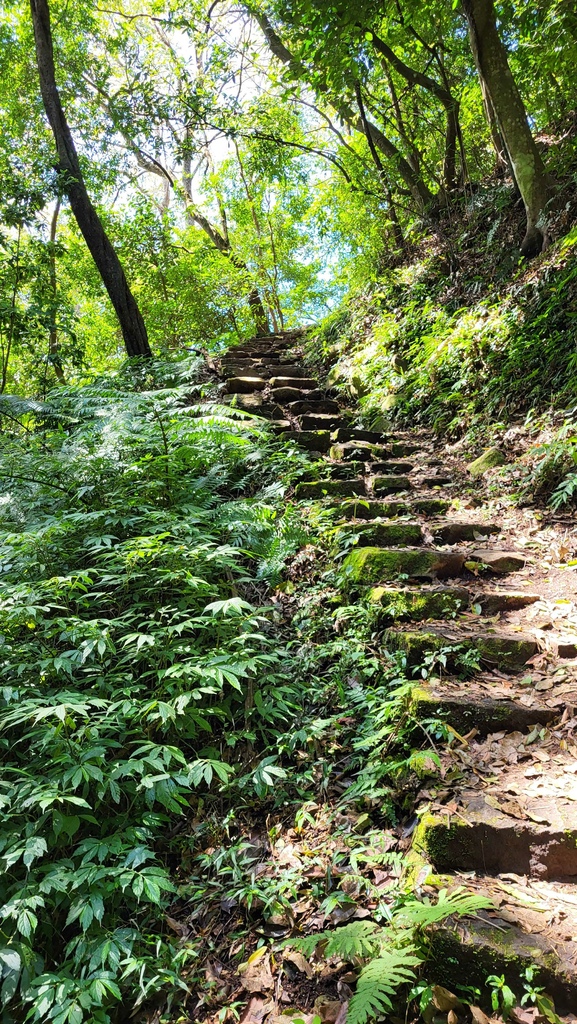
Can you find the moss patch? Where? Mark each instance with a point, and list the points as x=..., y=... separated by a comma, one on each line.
x=397, y=603
x=374, y=565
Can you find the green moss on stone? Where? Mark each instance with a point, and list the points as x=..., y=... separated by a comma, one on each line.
x=328, y=488
x=418, y=605
x=368, y=565
x=375, y=534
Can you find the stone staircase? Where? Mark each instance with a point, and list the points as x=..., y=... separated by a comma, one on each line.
x=453, y=590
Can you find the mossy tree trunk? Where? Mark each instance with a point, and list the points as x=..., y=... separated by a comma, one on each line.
x=493, y=67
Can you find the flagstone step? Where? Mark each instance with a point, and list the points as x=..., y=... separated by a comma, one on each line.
x=498, y=830
x=364, y=450
x=256, y=404
x=306, y=407
x=311, y=440
x=369, y=565
x=390, y=484
x=390, y=467
x=444, y=699
x=498, y=561
x=456, y=532
x=322, y=421
x=244, y=385
x=508, y=652
x=327, y=488
x=377, y=534
x=358, y=434
x=286, y=395
x=305, y=383
x=533, y=924
x=372, y=508
x=416, y=604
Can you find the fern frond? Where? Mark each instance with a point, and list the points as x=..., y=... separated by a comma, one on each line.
x=378, y=981
x=359, y=938
x=420, y=913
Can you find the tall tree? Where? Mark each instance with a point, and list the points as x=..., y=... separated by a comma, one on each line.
x=505, y=99
x=72, y=183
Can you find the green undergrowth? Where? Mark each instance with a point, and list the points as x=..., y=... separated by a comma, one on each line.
x=178, y=666
x=140, y=670
x=439, y=342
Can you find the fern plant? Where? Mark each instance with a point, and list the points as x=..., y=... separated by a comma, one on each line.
x=390, y=954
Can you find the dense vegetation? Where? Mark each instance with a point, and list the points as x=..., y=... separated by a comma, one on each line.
x=401, y=178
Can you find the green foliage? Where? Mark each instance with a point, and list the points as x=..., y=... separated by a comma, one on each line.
x=129, y=646
x=393, y=952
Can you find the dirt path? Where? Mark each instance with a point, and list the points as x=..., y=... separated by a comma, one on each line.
x=478, y=591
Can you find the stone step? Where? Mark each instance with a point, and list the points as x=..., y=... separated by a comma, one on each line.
x=280, y=426
x=305, y=383
x=377, y=468
x=364, y=450
x=456, y=532
x=321, y=421
x=311, y=440
x=507, y=940
x=307, y=407
x=438, y=480
x=498, y=561
x=509, y=825
x=390, y=484
x=416, y=604
x=244, y=385
x=328, y=488
x=375, y=509
x=343, y=470
x=377, y=534
x=256, y=404
x=477, y=709
x=357, y=434
x=290, y=371
x=370, y=565
x=400, y=449
x=505, y=650
x=286, y=395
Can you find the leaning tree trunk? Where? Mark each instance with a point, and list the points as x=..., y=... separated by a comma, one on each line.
x=101, y=249
x=493, y=67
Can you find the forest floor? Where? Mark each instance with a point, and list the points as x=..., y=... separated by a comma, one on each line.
x=474, y=595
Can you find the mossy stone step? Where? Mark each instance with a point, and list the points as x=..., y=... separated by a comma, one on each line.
x=485, y=836
x=285, y=395
x=372, y=508
x=369, y=565
x=377, y=534
x=311, y=440
x=344, y=470
x=438, y=480
x=328, y=488
x=290, y=371
x=286, y=381
x=399, y=449
x=494, y=601
x=417, y=604
x=357, y=434
x=257, y=405
x=306, y=407
x=390, y=484
x=353, y=450
x=506, y=652
x=244, y=385
x=321, y=421
x=475, y=709
x=390, y=467
x=474, y=948
x=456, y=532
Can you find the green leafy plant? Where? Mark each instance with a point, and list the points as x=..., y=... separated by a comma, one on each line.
x=391, y=953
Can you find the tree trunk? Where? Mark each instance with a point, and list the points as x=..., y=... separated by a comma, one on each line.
x=53, y=353
x=493, y=67
x=101, y=249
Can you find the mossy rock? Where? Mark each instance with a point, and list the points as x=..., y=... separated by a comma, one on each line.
x=368, y=565
x=311, y=440
x=377, y=534
x=488, y=460
x=503, y=652
x=485, y=714
x=431, y=506
x=397, y=603
x=390, y=484
x=328, y=488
